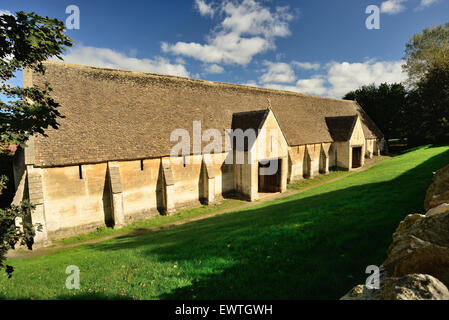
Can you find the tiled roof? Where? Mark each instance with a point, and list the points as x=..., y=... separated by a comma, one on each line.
x=341, y=128
x=125, y=115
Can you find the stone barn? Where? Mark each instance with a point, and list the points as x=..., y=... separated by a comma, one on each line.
x=112, y=162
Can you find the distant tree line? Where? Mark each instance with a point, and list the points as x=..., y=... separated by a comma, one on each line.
x=418, y=110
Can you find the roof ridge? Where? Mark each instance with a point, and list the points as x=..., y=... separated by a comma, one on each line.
x=199, y=81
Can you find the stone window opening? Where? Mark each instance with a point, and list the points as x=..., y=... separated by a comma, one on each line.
x=80, y=171
x=141, y=165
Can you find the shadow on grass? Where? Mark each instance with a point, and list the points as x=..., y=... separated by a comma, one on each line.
x=300, y=247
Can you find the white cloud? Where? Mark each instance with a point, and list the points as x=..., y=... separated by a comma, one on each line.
x=248, y=28
x=306, y=65
x=313, y=86
x=213, y=68
x=340, y=78
x=204, y=9
x=5, y=12
x=249, y=17
x=426, y=3
x=107, y=58
x=344, y=77
x=226, y=48
x=251, y=83
x=279, y=72
x=180, y=60
x=392, y=6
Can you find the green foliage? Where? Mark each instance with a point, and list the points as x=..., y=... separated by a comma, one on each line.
x=26, y=40
x=384, y=105
x=421, y=114
x=15, y=233
x=426, y=50
x=312, y=245
x=3, y=181
x=427, y=108
x=19, y=119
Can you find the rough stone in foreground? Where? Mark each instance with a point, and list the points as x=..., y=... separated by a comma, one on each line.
x=438, y=191
x=409, y=287
x=420, y=245
x=439, y=209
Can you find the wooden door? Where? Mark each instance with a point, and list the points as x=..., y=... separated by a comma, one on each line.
x=356, y=157
x=270, y=182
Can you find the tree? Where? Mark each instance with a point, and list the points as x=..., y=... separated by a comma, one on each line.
x=26, y=40
x=420, y=114
x=427, y=108
x=384, y=104
x=426, y=50
x=426, y=113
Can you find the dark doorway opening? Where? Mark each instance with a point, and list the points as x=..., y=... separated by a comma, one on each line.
x=356, y=157
x=307, y=165
x=107, y=201
x=6, y=169
x=270, y=176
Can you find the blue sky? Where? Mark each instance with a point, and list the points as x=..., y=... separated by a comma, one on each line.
x=316, y=47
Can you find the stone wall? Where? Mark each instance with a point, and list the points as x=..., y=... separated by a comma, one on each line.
x=246, y=178
x=342, y=150
x=296, y=159
x=312, y=160
x=324, y=158
x=357, y=140
x=187, y=179
x=75, y=199
x=274, y=146
x=73, y=202
x=369, y=148
x=142, y=186
x=417, y=264
x=343, y=157
x=438, y=192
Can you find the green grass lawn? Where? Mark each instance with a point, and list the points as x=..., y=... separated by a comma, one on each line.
x=312, y=245
x=153, y=222
x=306, y=183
